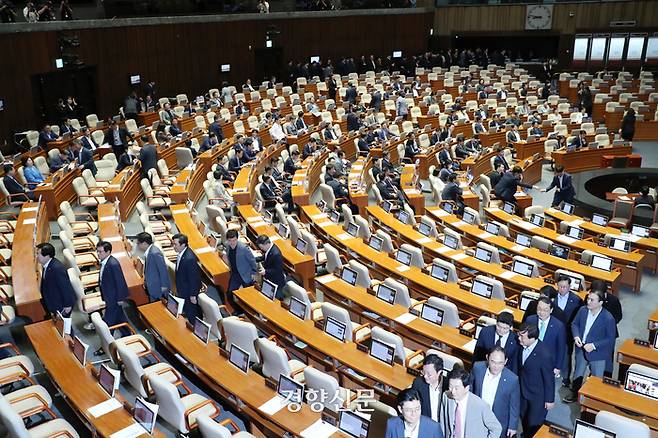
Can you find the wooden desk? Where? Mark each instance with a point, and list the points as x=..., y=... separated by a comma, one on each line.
x=420, y=284
x=587, y=159
x=32, y=228
x=634, y=160
x=110, y=230
x=631, y=264
x=79, y=388
x=419, y=333
x=526, y=149
x=646, y=130
x=344, y=356
x=211, y=262
x=301, y=265
x=596, y=396
x=408, y=184
x=245, y=393
x=244, y=186
x=125, y=187
x=307, y=179
x=57, y=188
x=630, y=353
x=358, y=185
x=545, y=433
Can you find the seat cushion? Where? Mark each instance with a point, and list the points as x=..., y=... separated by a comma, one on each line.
x=192, y=400
x=296, y=365
x=8, y=315
x=130, y=342
x=92, y=303
x=51, y=427
x=5, y=254
x=6, y=291
x=167, y=372
x=86, y=259
x=84, y=227
x=29, y=403
x=12, y=365
x=158, y=202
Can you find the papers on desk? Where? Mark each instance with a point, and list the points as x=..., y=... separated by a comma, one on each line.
x=518, y=248
x=120, y=254
x=273, y=405
x=494, y=209
x=30, y=221
x=132, y=431
x=423, y=240
x=182, y=210
x=508, y=275
x=260, y=223
x=459, y=256
x=319, y=429
x=525, y=225
x=326, y=279
x=113, y=239
x=325, y=224
x=577, y=222
x=411, y=191
x=275, y=237
x=316, y=217
x=565, y=239
x=624, y=198
x=631, y=237
x=108, y=218
x=357, y=167
x=344, y=236
x=402, y=268
x=485, y=235
x=470, y=345
x=443, y=249
x=551, y=210
x=204, y=250
x=254, y=219
x=30, y=208
x=104, y=407
x=459, y=224
x=405, y=318
x=440, y=212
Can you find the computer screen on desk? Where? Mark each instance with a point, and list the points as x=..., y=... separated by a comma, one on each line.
x=403, y=216
x=80, y=350
x=468, y=217
x=450, y=241
x=492, y=228
x=297, y=307
x=382, y=351
x=386, y=293
x=559, y=251
x=525, y=301
x=106, y=380
x=349, y=275
x=587, y=430
x=290, y=390
x=334, y=216
x=403, y=257
x=301, y=246
x=334, y=328
x=201, y=330
x=568, y=208
x=523, y=240
x=439, y=272
x=482, y=289
x=145, y=414
x=353, y=229
x=537, y=220
x=239, y=358
x=483, y=254
x=447, y=207
x=620, y=244
x=603, y=263
x=640, y=231
x=268, y=289
x=599, y=219
x=375, y=242
x=424, y=229
x=575, y=233
x=509, y=208
x=173, y=305
x=282, y=230
x=642, y=384
x=353, y=424
x=387, y=206
x=523, y=268
x=432, y=314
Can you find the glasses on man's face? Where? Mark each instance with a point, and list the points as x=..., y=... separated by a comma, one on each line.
x=411, y=410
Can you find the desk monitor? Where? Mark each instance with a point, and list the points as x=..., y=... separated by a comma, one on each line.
x=403, y=257
x=80, y=350
x=509, y=208
x=450, y=241
x=334, y=216
x=282, y=230
x=574, y=285
x=525, y=301
x=268, y=289
x=135, y=79
x=523, y=268
x=599, y=219
x=397, y=53
x=106, y=379
x=145, y=414
x=375, y=242
x=575, y=232
x=439, y=272
x=482, y=289
x=537, y=220
x=353, y=424
x=483, y=254
x=468, y=217
x=642, y=384
x=174, y=306
x=424, y=229
x=353, y=229
x=568, y=208
x=315, y=59
x=268, y=216
x=322, y=205
x=583, y=429
x=349, y=275
x=560, y=251
x=387, y=206
x=492, y=228
x=239, y=358
x=225, y=68
x=523, y=240
x=403, y=216
x=290, y=390
x=655, y=342
x=601, y=262
x=297, y=307
x=61, y=325
x=447, y=207
x=432, y=314
x=386, y=293
x=619, y=244
x=382, y=351
x=201, y=330
x=301, y=246
x=334, y=328
x=639, y=231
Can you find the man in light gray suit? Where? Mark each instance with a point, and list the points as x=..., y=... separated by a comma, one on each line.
x=464, y=414
x=156, y=276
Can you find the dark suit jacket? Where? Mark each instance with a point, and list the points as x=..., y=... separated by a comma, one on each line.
x=507, y=185
x=113, y=284
x=188, y=275
x=217, y=129
x=386, y=191
x=506, y=406
x=56, y=289
x=86, y=143
x=350, y=94
x=537, y=378
x=273, y=265
x=266, y=192
x=555, y=339
x=567, y=186
x=125, y=160
x=451, y=192
x=427, y=428
x=67, y=129
x=423, y=389
x=123, y=137
x=500, y=160
x=573, y=304
x=156, y=276
x=234, y=164
x=602, y=333
x=557, y=312
x=487, y=341
x=12, y=186
x=494, y=177
x=444, y=157
x=148, y=156
x=44, y=138
x=56, y=163
x=86, y=159
x=352, y=122
x=290, y=167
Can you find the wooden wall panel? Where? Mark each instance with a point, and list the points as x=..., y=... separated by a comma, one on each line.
x=185, y=57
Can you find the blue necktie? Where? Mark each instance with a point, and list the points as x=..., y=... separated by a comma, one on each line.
x=542, y=330
x=526, y=353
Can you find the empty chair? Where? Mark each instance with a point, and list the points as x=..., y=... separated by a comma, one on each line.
x=450, y=312
x=452, y=270
x=403, y=355
x=241, y=333
x=16, y=368
x=354, y=332
x=153, y=200
x=88, y=226
x=210, y=428
x=495, y=254
x=313, y=309
x=540, y=243
x=416, y=255
x=431, y=224
x=362, y=274
x=497, y=291
x=622, y=213
x=134, y=342
x=334, y=262
x=402, y=296
x=211, y=313
x=622, y=426
x=455, y=235
x=364, y=228
x=323, y=383
x=14, y=424
x=533, y=209
x=183, y=157
x=84, y=197
x=535, y=267
x=274, y=360
x=92, y=120
x=138, y=376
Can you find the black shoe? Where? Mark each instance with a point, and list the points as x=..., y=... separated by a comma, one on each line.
x=566, y=383
x=99, y=352
x=571, y=398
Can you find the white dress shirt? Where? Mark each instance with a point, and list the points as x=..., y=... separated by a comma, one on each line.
x=562, y=300
x=503, y=339
x=588, y=324
x=103, y=263
x=489, y=387
x=411, y=431
x=276, y=132
x=435, y=401
x=527, y=351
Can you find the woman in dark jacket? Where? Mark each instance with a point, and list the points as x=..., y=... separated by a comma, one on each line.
x=627, y=129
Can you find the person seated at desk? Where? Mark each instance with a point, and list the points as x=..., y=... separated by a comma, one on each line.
x=209, y=143
x=534, y=117
x=482, y=112
x=216, y=128
x=67, y=128
x=411, y=148
x=290, y=127
x=85, y=157
x=497, y=174
x=452, y=192
x=249, y=152
x=46, y=136
x=174, y=128
x=461, y=151
x=443, y=173
x=309, y=148
x=86, y=139
x=513, y=136
x=445, y=159
x=495, y=122
x=117, y=138
x=126, y=159
x=58, y=161
x=300, y=124
x=387, y=187
x=535, y=130
x=222, y=168
x=272, y=195
x=645, y=198
x=166, y=115
x=384, y=134
x=563, y=185
x=236, y=163
x=291, y=166
x=506, y=187
x=241, y=110
x=500, y=159
x=580, y=141
x=478, y=127
x=362, y=144
x=501, y=94
x=410, y=422
x=329, y=134
x=32, y=175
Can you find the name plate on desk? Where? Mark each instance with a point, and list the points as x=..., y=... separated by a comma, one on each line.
x=362, y=347
x=611, y=382
x=558, y=431
x=30, y=221
x=414, y=372
x=641, y=342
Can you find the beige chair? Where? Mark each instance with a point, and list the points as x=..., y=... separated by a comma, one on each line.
x=211, y=313
x=86, y=199
x=275, y=361
x=183, y=157
x=241, y=333
x=134, y=342
x=210, y=428
x=153, y=200
x=88, y=226
x=16, y=428
x=409, y=358
x=16, y=368
x=323, y=383
x=354, y=332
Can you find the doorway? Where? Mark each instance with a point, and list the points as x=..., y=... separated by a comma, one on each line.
x=268, y=63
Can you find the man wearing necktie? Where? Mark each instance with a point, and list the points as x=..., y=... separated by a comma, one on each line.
x=113, y=287
x=410, y=423
x=156, y=276
x=188, y=275
x=551, y=332
x=563, y=185
x=498, y=335
x=536, y=378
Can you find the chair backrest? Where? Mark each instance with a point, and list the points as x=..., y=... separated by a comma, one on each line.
x=211, y=313
x=456, y=235
x=295, y=290
x=132, y=369
x=533, y=209
x=623, y=209
x=295, y=232
x=67, y=211
x=328, y=195
x=183, y=157
x=430, y=223
x=171, y=408
x=362, y=274
x=241, y=333
x=347, y=213
x=535, y=267
x=401, y=292
x=324, y=384
x=273, y=358
x=498, y=291
x=79, y=186
x=475, y=213
x=103, y=332
x=495, y=254
x=89, y=178
x=12, y=420
x=41, y=164
x=450, y=312
x=146, y=187
x=387, y=242
x=364, y=227
x=334, y=263
x=389, y=338
x=571, y=274
x=449, y=361
x=340, y=314
x=416, y=255
x=623, y=427
x=209, y=428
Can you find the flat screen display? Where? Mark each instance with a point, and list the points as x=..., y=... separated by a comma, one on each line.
x=297, y=308
x=386, y=293
x=201, y=330
x=144, y=415
x=575, y=233
x=620, y=244
x=525, y=300
x=349, y=275
x=80, y=350
x=268, y=289
x=468, y=217
x=432, y=314
x=568, y=208
x=450, y=241
x=353, y=229
x=376, y=242
x=353, y=424
x=290, y=390
x=652, y=48
x=239, y=358
x=640, y=231
x=509, y=208
x=492, y=228
x=424, y=229
x=599, y=219
x=403, y=216
x=537, y=220
x=334, y=328
x=641, y=384
x=135, y=79
x=522, y=268
x=559, y=251
x=403, y=257
x=583, y=429
x=382, y=351
x=301, y=246
x=580, y=49
x=483, y=255
x=397, y=54
x=523, y=240
x=482, y=289
x=439, y=272
x=106, y=380
x=603, y=263
x=225, y=68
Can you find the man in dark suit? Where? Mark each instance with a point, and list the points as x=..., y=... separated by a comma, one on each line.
x=569, y=303
x=86, y=139
x=309, y=148
x=506, y=187
x=350, y=94
x=551, y=332
x=156, y=275
x=452, y=192
x=85, y=156
x=580, y=141
x=611, y=304
x=67, y=128
x=113, y=287
x=496, y=175
x=241, y=262
x=562, y=183
x=16, y=191
x=117, y=138
x=290, y=166
x=500, y=159
x=410, y=419
x=217, y=129
x=494, y=383
x=236, y=163
x=56, y=289
x=536, y=379
x=188, y=275
x=535, y=130
x=148, y=156
x=430, y=386
x=376, y=101
x=352, y=121
x=58, y=161
x=362, y=144
x=500, y=335
x=272, y=264
x=445, y=159
x=46, y=136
